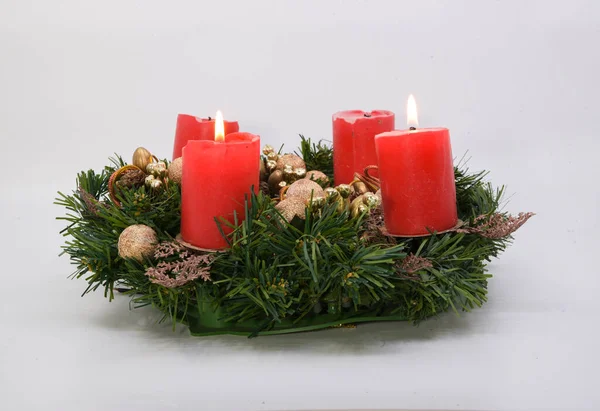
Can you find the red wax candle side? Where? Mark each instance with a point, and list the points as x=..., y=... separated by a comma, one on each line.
x=417, y=181
x=353, y=141
x=217, y=177
x=196, y=128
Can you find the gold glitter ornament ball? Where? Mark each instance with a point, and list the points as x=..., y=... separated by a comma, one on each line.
x=315, y=175
x=291, y=160
x=175, y=170
x=291, y=207
x=138, y=242
x=305, y=189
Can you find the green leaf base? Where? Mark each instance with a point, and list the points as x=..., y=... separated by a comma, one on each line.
x=208, y=323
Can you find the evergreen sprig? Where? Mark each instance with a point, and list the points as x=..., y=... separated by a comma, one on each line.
x=317, y=156
x=278, y=276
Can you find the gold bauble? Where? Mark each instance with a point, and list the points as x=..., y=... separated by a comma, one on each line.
x=275, y=178
x=331, y=192
x=291, y=207
x=262, y=173
x=371, y=200
x=357, y=207
x=334, y=196
x=138, y=242
x=360, y=187
x=305, y=189
x=345, y=190
x=316, y=175
x=364, y=202
x=141, y=158
x=292, y=160
x=176, y=170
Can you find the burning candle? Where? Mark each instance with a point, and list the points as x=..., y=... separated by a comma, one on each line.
x=354, y=141
x=196, y=128
x=417, y=178
x=217, y=177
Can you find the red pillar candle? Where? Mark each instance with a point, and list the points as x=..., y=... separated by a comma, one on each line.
x=196, y=128
x=353, y=141
x=217, y=177
x=417, y=180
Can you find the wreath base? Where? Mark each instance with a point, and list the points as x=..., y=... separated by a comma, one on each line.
x=207, y=322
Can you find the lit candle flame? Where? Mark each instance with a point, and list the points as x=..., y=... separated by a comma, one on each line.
x=411, y=112
x=219, y=127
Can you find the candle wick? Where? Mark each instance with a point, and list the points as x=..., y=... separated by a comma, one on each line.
x=209, y=118
x=367, y=114
x=412, y=128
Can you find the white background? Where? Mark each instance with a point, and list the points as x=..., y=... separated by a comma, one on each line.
x=515, y=81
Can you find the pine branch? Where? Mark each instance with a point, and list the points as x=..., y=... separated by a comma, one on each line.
x=317, y=156
x=277, y=273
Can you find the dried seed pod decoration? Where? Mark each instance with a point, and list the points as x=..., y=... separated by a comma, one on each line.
x=149, y=180
x=332, y=192
x=158, y=169
x=316, y=203
x=287, y=170
x=364, y=202
x=133, y=177
x=345, y=190
x=271, y=165
x=268, y=149
x=335, y=197
x=360, y=187
x=357, y=207
x=156, y=184
x=371, y=200
x=299, y=173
